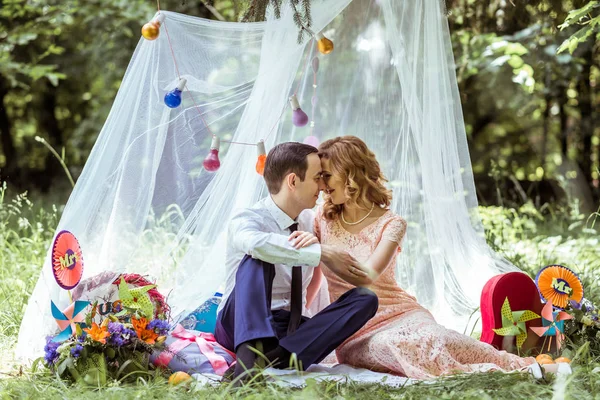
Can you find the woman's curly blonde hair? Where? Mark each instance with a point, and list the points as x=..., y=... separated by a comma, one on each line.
x=356, y=164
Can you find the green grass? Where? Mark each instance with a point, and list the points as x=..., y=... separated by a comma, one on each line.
x=527, y=237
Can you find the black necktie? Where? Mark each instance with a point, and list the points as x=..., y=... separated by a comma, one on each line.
x=296, y=295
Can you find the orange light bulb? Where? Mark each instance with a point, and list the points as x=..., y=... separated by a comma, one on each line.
x=260, y=164
x=324, y=45
x=151, y=30
x=262, y=158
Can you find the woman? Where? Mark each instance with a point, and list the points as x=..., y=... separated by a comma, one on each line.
x=403, y=337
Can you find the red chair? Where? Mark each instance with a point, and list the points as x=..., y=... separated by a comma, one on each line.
x=522, y=294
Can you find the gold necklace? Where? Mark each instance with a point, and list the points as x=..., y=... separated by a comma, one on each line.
x=360, y=220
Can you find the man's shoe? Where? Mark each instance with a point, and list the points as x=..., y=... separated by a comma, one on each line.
x=228, y=375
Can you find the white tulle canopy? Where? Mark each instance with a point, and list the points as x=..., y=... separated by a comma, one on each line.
x=144, y=204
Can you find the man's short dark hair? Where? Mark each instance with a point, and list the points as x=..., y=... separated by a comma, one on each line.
x=284, y=159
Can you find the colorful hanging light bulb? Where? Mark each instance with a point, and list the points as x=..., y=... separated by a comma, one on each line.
x=311, y=140
x=299, y=117
x=211, y=162
x=262, y=157
x=173, y=98
x=315, y=64
x=324, y=45
x=151, y=30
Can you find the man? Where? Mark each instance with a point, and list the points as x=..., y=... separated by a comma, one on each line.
x=268, y=273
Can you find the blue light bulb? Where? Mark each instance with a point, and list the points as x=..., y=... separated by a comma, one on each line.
x=173, y=98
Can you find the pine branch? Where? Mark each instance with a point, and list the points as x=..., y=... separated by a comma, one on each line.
x=299, y=19
x=301, y=35
x=307, y=13
x=276, y=7
x=249, y=14
x=209, y=4
x=257, y=10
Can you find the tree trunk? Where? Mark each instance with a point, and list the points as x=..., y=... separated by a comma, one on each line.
x=465, y=12
x=595, y=120
x=48, y=123
x=546, y=125
x=564, y=134
x=586, y=127
x=8, y=144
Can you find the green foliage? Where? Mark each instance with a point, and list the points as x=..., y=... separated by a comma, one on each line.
x=61, y=63
x=25, y=236
x=587, y=16
x=520, y=96
x=559, y=234
x=525, y=106
x=29, y=24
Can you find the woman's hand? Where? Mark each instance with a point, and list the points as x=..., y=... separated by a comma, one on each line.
x=301, y=239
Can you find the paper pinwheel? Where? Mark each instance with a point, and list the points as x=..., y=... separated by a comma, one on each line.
x=513, y=322
x=559, y=284
x=137, y=298
x=67, y=319
x=67, y=262
x=553, y=324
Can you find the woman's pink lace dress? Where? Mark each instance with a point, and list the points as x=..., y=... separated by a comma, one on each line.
x=403, y=337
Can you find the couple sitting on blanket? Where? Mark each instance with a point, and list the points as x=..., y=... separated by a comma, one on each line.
x=279, y=250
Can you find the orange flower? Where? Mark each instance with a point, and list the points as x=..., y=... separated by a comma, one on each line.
x=145, y=335
x=139, y=324
x=97, y=333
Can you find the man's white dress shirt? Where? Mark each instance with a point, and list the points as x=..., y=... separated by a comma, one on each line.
x=262, y=231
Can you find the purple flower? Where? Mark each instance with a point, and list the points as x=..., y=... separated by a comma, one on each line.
x=128, y=333
x=119, y=335
x=117, y=340
x=114, y=327
x=51, y=355
x=575, y=305
x=159, y=326
x=76, y=351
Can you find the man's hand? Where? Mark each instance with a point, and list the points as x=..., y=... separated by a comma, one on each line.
x=301, y=239
x=344, y=265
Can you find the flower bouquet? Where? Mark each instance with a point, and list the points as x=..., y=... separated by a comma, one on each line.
x=113, y=350
x=584, y=326
x=96, y=347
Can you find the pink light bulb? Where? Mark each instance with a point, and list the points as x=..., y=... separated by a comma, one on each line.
x=299, y=117
x=211, y=162
x=315, y=64
x=311, y=140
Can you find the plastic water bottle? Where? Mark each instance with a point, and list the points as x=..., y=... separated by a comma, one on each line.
x=204, y=318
